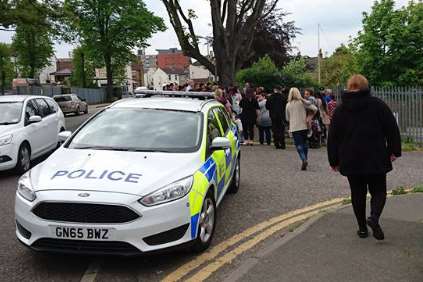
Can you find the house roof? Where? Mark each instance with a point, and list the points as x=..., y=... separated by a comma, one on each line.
x=175, y=71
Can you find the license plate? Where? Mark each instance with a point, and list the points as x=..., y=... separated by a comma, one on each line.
x=81, y=233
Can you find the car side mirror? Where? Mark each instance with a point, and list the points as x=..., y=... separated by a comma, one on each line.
x=34, y=119
x=64, y=135
x=220, y=143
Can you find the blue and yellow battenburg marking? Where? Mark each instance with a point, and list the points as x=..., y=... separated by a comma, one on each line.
x=210, y=173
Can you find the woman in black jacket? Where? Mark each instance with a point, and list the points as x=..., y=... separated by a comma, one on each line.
x=364, y=140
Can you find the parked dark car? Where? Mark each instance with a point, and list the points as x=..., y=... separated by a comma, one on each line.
x=71, y=103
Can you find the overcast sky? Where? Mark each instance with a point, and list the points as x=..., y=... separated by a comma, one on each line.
x=339, y=19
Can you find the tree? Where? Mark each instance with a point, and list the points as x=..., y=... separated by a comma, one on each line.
x=273, y=37
x=390, y=46
x=6, y=67
x=295, y=74
x=234, y=23
x=111, y=29
x=83, y=68
x=33, y=48
x=338, y=68
x=28, y=12
x=264, y=73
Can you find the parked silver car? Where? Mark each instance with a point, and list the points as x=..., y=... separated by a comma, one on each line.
x=71, y=103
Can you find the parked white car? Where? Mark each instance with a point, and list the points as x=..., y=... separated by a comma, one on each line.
x=29, y=128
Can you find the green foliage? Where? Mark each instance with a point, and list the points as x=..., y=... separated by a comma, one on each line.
x=29, y=12
x=83, y=69
x=263, y=73
x=6, y=67
x=295, y=74
x=266, y=74
x=399, y=191
x=111, y=29
x=33, y=47
x=418, y=189
x=390, y=47
x=338, y=68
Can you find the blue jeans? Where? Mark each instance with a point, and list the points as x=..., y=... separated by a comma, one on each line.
x=300, y=140
x=264, y=132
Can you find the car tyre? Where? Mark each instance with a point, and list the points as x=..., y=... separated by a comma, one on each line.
x=206, y=224
x=236, y=179
x=24, y=159
x=86, y=110
x=78, y=111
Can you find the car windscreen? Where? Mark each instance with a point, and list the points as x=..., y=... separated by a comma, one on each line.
x=10, y=112
x=59, y=99
x=144, y=130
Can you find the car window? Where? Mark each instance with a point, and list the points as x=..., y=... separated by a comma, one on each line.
x=43, y=108
x=141, y=130
x=213, y=130
x=223, y=119
x=59, y=99
x=30, y=110
x=52, y=105
x=11, y=112
x=75, y=98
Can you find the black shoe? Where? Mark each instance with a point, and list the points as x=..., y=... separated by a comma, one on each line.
x=363, y=233
x=377, y=230
x=304, y=166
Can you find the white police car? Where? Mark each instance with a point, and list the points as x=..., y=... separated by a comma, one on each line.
x=142, y=175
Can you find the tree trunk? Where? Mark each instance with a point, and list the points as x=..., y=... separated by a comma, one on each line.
x=3, y=81
x=109, y=75
x=83, y=78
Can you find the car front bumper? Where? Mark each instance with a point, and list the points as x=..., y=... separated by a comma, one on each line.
x=8, y=156
x=149, y=232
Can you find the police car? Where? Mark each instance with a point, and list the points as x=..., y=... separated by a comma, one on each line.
x=141, y=175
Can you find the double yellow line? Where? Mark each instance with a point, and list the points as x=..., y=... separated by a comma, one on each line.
x=262, y=230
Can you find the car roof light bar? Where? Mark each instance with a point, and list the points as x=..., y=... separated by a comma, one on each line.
x=174, y=94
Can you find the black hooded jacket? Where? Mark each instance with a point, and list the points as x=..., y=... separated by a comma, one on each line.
x=363, y=135
x=276, y=105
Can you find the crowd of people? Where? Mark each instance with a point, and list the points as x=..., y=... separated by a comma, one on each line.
x=308, y=115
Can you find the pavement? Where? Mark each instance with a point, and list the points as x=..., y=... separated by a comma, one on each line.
x=327, y=249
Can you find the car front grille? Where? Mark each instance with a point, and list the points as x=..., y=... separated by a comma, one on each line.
x=85, y=247
x=84, y=213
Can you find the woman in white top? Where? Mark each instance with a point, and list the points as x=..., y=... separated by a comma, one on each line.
x=297, y=117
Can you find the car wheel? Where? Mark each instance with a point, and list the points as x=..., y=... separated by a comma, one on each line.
x=24, y=159
x=86, y=110
x=236, y=179
x=206, y=224
x=78, y=111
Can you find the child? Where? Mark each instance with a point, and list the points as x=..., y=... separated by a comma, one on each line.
x=311, y=109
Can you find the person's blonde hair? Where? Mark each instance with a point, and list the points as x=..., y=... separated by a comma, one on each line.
x=218, y=93
x=357, y=82
x=294, y=94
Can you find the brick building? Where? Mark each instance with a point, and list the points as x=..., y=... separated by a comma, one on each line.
x=172, y=59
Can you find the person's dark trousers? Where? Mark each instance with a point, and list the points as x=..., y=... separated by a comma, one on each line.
x=300, y=140
x=278, y=129
x=265, y=133
x=248, y=130
x=376, y=185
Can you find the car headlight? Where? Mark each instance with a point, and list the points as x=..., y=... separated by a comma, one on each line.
x=25, y=187
x=168, y=193
x=6, y=139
